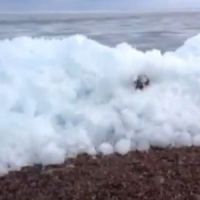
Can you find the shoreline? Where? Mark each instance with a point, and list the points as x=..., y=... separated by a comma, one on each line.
x=156, y=174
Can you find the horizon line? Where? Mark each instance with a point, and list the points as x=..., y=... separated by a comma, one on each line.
x=189, y=10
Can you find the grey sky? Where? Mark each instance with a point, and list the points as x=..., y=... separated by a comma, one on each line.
x=74, y=5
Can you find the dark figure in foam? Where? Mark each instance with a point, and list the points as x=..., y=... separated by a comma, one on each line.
x=141, y=82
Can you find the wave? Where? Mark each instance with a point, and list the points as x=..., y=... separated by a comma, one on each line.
x=62, y=97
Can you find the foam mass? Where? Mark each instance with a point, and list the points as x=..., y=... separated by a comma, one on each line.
x=62, y=97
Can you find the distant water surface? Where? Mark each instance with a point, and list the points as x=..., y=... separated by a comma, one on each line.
x=164, y=31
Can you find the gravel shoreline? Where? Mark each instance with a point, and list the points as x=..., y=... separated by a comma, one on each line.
x=155, y=175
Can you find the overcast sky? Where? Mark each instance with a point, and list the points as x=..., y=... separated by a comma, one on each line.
x=91, y=5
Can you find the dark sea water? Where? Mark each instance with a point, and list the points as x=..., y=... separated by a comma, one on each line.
x=164, y=31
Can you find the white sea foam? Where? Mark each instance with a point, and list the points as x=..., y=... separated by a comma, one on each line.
x=63, y=97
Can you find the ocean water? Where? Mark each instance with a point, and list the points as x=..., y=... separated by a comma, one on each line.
x=67, y=85
x=164, y=31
